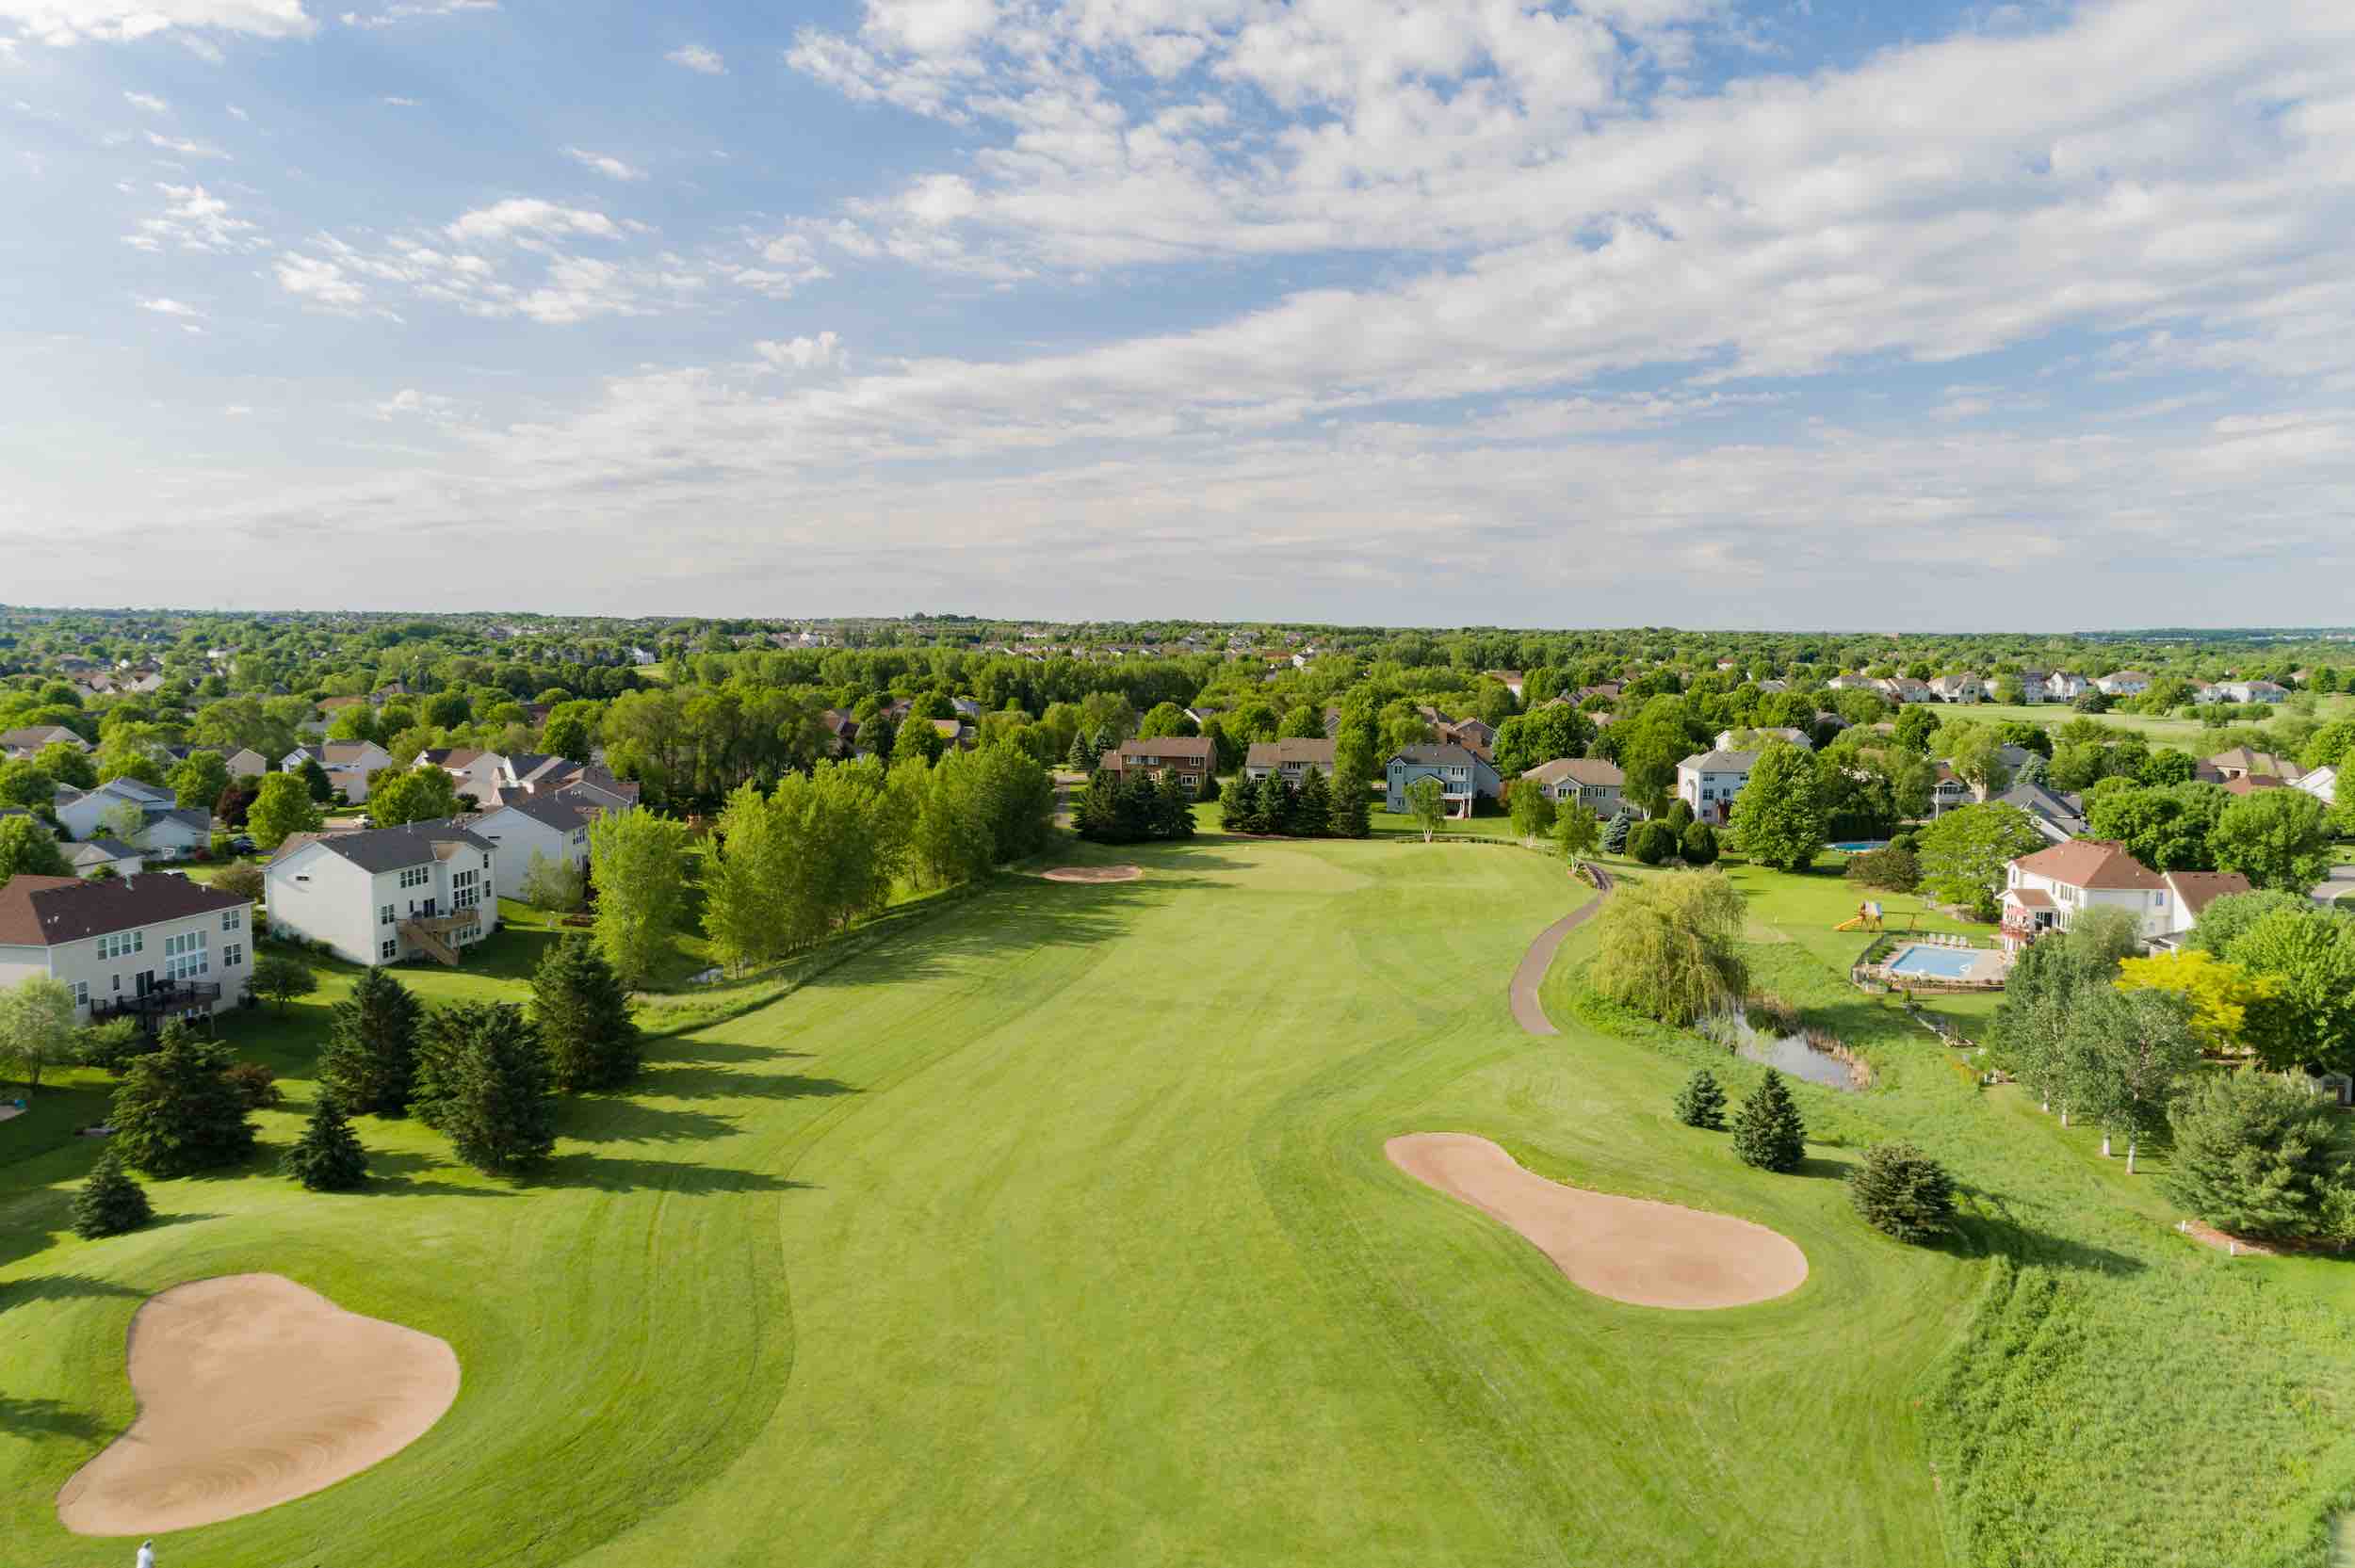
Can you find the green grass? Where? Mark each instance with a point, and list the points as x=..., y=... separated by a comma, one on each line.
x=2185, y=734
x=1050, y=1226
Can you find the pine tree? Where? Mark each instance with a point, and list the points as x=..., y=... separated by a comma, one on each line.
x=1615, y=834
x=1352, y=816
x=1083, y=756
x=370, y=1059
x=1275, y=804
x=1237, y=803
x=1700, y=1103
x=482, y=1078
x=111, y=1202
x=1314, y=809
x=1768, y=1132
x=1096, y=815
x=1903, y=1193
x=177, y=1111
x=1172, y=811
x=328, y=1156
x=582, y=1013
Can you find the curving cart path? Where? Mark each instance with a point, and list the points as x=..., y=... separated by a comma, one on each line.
x=1533, y=965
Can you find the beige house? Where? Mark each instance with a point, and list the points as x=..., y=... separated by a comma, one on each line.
x=1292, y=758
x=148, y=946
x=1192, y=760
x=2048, y=890
x=1589, y=781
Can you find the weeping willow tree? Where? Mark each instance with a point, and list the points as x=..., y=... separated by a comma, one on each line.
x=1669, y=947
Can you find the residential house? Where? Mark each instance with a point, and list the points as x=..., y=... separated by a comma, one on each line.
x=349, y=764
x=1192, y=760
x=2058, y=817
x=2241, y=762
x=387, y=893
x=1473, y=734
x=1958, y=688
x=1710, y=782
x=2124, y=683
x=1589, y=781
x=1202, y=713
x=2322, y=783
x=553, y=826
x=246, y=763
x=845, y=732
x=1730, y=740
x=107, y=854
x=2046, y=892
x=20, y=745
x=1512, y=680
x=1292, y=758
x=1464, y=776
x=81, y=812
x=1948, y=791
x=1905, y=688
x=163, y=831
x=2252, y=691
x=150, y=946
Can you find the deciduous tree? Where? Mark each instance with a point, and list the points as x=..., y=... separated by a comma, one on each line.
x=1778, y=815
x=1670, y=946
x=638, y=863
x=281, y=807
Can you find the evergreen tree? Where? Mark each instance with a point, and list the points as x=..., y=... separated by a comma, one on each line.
x=582, y=1013
x=1615, y=832
x=370, y=1060
x=177, y=1111
x=1680, y=816
x=109, y=1202
x=1237, y=804
x=1173, y=811
x=1135, y=808
x=1275, y=804
x=1700, y=844
x=1096, y=815
x=1352, y=815
x=1083, y=756
x=1903, y=1193
x=1313, y=811
x=328, y=1156
x=1768, y=1133
x=482, y=1078
x=1700, y=1103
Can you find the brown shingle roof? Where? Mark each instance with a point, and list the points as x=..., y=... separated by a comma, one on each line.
x=40, y=912
x=2199, y=889
x=1283, y=753
x=2091, y=862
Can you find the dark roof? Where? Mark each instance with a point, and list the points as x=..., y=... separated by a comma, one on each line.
x=40, y=912
x=1193, y=748
x=388, y=849
x=560, y=809
x=94, y=850
x=1445, y=753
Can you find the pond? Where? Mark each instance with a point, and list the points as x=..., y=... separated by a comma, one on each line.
x=1788, y=1053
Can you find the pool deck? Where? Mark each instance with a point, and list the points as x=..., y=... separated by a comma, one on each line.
x=1988, y=966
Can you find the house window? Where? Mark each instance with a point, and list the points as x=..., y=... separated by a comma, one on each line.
x=121, y=945
x=81, y=993
x=384, y=914
x=388, y=950
x=231, y=954
x=232, y=919
x=185, y=957
x=417, y=875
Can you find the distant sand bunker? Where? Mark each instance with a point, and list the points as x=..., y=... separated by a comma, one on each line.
x=1629, y=1249
x=1094, y=873
x=253, y=1391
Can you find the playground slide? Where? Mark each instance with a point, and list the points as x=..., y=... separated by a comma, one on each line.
x=1849, y=925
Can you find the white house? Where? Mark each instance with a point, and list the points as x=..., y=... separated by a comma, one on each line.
x=1958, y=688
x=104, y=854
x=2124, y=683
x=1735, y=740
x=2249, y=691
x=1590, y=781
x=1709, y=782
x=174, y=832
x=348, y=763
x=2322, y=783
x=148, y=946
x=83, y=812
x=553, y=826
x=2048, y=890
x=378, y=897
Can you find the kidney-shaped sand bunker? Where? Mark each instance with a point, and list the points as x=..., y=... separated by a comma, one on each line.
x=253, y=1391
x=1629, y=1249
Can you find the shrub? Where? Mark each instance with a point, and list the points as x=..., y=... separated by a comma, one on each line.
x=328, y=1156
x=111, y=1046
x=1699, y=845
x=281, y=977
x=1652, y=842
x=1903, y=1193
x=1680, y=816
x=1892, y=869
x=111, y=1202
x=1769, y=1132
x=1700, y=1103
x=256, y=1084
x=244, y=879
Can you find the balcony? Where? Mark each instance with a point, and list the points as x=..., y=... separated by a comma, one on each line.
x=169, y=998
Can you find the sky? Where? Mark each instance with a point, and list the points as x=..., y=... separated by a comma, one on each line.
x=1899, y=314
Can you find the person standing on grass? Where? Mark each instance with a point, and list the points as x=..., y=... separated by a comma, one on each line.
x=147, y=1554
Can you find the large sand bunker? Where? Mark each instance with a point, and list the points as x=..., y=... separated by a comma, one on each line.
x=1629, y=1249
x=1094, y=873
x=253, y=1391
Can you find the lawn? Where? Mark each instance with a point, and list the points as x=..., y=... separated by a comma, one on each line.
x=1052, y=1226
x=2185, y=734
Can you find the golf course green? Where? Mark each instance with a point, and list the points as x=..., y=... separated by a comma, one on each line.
x=1056, y=1228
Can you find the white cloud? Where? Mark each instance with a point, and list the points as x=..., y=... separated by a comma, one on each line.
x=420, y=10
x=822, y=352
x=694, y=56
x=399, y=102
x=195, y=219
x=164, y=305
x=147, y=101
x=62, y=23
x=611, y=168
x=525, y=215
x=184, y=147
x=237, y=113
x=321, y=282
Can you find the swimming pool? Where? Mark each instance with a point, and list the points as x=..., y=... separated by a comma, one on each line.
x=1858, y=846
x=1945, y=963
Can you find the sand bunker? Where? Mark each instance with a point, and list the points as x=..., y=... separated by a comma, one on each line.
x=1629, y=1249
x=253, y=1391
x=1094, y=873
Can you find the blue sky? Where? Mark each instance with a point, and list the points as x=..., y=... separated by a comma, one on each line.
x=1625, y=312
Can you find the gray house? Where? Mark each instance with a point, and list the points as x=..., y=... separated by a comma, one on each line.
x=1464, y=775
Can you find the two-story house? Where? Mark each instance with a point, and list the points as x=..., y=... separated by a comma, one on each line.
x=24, y=743
x=388, y=894
x=1464, y=776
x=161, y=831
x=2123, y=682
x=2048, y=890
x=552, y=826
x=1591, y=782
x=1192, y=760
x=348, y=763
x=1292, y=758
x=1958, y=688
x=1710, y=782
x=1757, y=740
x=148, y=946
